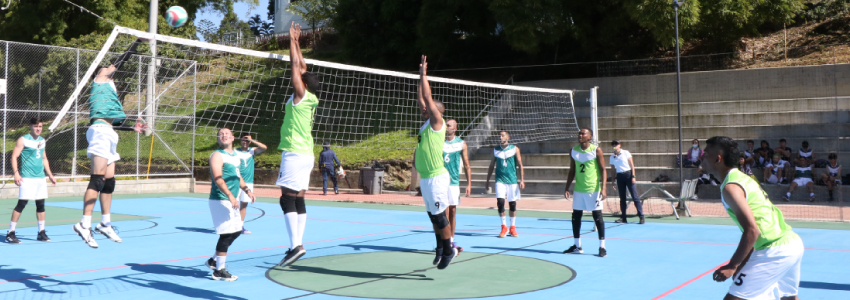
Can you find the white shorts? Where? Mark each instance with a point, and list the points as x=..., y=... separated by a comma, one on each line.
x=771, y=273
x=773, y=179
x=103, y=142
x=32, y=189
x=436, y=192
x=224, y=217
x=243, y=196
x=802, y=181
x=508, y=192
x=295, y=171
x=586, y=201
x=455, y=195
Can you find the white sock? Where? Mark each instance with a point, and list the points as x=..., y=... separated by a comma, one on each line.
x=12, y=226
x=503, y=221
x=219, y=262
x=788, y=194
x=40, y=225
x=302, y=223
x=578, y=242
x=106, y=220
x=292, y=228
x=513, y=221
x=811, y=194
x=86, y=222
x=601, y=243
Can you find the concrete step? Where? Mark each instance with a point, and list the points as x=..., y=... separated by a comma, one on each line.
x=720, y=107
x=668, y=133
x=730, y=118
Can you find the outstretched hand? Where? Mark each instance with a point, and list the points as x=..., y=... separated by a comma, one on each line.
x=294, y=31
x=140, y=126
x=423, y=65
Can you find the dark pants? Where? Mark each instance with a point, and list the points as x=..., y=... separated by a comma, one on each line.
x=703, y=180
x=328, y=172
x=624, y=183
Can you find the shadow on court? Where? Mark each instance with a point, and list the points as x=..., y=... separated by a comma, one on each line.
x=518, y=250
x=356, y=274
x=457, y=233
x=380, y=248
x=169, y=270
x=180, y=290
x=31, y=281
x=825, y=285
x=195, y=229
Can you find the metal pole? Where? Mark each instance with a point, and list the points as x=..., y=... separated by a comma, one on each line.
x=676, y=5
x=5, y=105
x=76, y=111
x=151, y=82
x=138, y=111
x=194, y=118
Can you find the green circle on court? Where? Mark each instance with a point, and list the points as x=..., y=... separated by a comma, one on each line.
x=410, y=275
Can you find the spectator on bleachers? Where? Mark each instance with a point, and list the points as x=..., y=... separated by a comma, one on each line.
x=745, y=168
x=802, y=176
x=784, y=150
x=764, y=154
x=703, y=179
x=774, y=171
x=694, y=157
x=832, y=176
x=807, y=152
x=750, y=154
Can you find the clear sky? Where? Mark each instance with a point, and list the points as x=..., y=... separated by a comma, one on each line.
x=243, y=10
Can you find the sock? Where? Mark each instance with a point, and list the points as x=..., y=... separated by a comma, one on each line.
x=439, y=241
x=578, y=242
x=788, y=194
x=40, y=225
x=503, y=221
x=811, y=194
x=86, y=222
x=106, y=220
x=447, y=247
x=302, y=222
x=601, y=243
x=292, y=228
x=219, y=262
x=513, y=221
x=452, y=239
x=12, y=226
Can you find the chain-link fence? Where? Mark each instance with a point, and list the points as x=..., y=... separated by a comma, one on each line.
x=39, y=79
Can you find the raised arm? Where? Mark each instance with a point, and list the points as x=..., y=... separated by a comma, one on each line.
x=16, y=153
x=521, y=169
x=297, y=63
x=465, y=156
x=260, y=146
x=105, y=74
x=425, y=89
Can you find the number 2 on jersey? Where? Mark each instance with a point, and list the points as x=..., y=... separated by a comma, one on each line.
x=582, y=167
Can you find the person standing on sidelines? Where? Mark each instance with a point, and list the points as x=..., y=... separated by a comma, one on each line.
x=507, y=159
x=246, y=155
x=623, y=165
x=587, y=168
x=327, y=158
x=456, y=157
x=30, y=178
x=224, y=207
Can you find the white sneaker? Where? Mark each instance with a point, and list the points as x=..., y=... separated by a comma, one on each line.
x=85, y=233
x=108, y=232
x=695, y=197
x=713, y=183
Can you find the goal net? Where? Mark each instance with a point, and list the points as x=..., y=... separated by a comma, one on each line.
x=191, y=86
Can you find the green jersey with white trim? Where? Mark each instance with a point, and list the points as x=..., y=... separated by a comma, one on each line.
x=452, y=151
x=246, y=166
x=32, y=161
x=296, y=134
x=505, y=164
x=587, y=169
x=772, y=227
x=230, y=174
x=104, y=103
x=429, y=151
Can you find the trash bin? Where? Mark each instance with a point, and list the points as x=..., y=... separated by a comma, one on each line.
x=372, y=180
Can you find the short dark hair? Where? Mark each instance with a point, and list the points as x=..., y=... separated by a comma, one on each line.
x=805, y=143
x=751, y=142
x=728, y=149
x=312, y=82
x=246, y=134
x=35, y=120
x=765, y=142
x=782, y=140
x=588, y=130
x=833, y=156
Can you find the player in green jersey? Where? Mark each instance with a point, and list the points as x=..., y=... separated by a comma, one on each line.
x=507, y=161
x=296, y=145
x=246, y=154
x=769, y=254
x=30, y=178
x=588, y=169
x=456, y=157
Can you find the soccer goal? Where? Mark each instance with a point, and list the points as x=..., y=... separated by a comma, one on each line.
x=199, y=87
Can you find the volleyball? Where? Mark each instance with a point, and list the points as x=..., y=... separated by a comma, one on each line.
x=176, y=16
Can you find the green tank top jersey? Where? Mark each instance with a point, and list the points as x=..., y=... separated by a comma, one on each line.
x=803, y=172
x=296, y=134
x=32, y=163
x=505, y=164
x=429, y=151
x=230, y=174
x=103, y=102
x=769, y=219
x=587, y=169
x=246, y=165
x=452, y=151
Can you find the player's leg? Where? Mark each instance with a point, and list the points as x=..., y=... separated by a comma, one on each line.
x=621, y=188
x=600, y=230
x=335, y=180
x=105, y=225
x=218, y=263
x=290, y=213
x=41, y=217
x=324, y=181
x=576, y=222
x=99, y=165
x=500, y=206
x=301, y=210
x=16, y=215
x=244, y=200
x=811, y=187
x=790, y=190
x=632, y=188
x=454, y=201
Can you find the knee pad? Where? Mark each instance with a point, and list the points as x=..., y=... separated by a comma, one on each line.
x=500, y=204
x=225, y=240
x=39, y=205
x=21, y=204
x=577, y=214
x=512, y=205
x=439, y=220
x=287, y=203
x=96, y=183
x=300, y=206
x=108, y=185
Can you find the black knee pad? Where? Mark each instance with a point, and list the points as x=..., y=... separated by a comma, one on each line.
x=21, y=204
x=512, y=205
x=39, y=205
x=225, y=240
x=577, y=214
x=108, y=185
x=96, y=183
x=439, y=220
x=287, y=203
x=300, y=206
x=500, y=204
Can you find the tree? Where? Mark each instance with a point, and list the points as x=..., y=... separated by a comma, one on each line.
x=260, y=27
x=378, y=33
x=316, y=12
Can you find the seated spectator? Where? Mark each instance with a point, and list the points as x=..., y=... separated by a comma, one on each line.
x=774, y=171
x=703, y=179
x=802, y=176
x=745, y=168
x=750, y=154
x=694, y=157
x=765, y=154
x=832, y=176
x=807, y=152
x=784, y=150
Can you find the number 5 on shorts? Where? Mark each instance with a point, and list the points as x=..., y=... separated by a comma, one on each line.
x=740, y=280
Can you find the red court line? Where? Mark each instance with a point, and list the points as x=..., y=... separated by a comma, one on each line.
x=199, y=257
x=689, y=282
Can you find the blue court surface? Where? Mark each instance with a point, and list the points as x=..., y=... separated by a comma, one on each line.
x=379, y=251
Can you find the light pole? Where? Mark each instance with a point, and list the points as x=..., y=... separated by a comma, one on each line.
x=676, y=5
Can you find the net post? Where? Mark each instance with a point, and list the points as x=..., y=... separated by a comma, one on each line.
x=138, y=110
x=594, y=118
x=76, y=129
x=5, y=107
x=194, y=118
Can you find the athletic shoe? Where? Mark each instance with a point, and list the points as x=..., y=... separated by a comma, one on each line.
x=292, y=255
x=107, y=231
x=336, y=191
x=620, y=220
x=42, y=236
x=785, y=198
x=504, y=231
x=513, y=231
x=695, y=197
x=641, y=221
x=439, y=256
x=574, y=250
x=602, y=252
x=447, y=259
x=812, y=199
x=245, y=231
x=223, y=275
x=85, y=234
x=324, y=193
x=459, y=250
x=210, y=263
x=11, y=238
x=713, y=183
